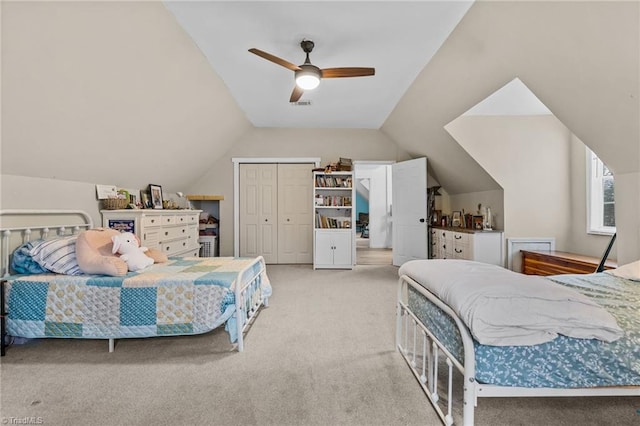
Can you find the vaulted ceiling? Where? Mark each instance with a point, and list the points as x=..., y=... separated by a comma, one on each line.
x=154, y=85
x=396, y=38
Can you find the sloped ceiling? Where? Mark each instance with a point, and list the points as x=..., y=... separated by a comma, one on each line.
x=582, y=64
x=396, y=38
x=111, y=93
x=86, y=85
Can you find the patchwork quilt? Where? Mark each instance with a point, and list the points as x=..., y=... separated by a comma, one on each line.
x=182, y=296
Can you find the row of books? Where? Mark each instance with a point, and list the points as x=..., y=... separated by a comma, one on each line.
x=334, y=182
x=333, y=200
x=333, y=222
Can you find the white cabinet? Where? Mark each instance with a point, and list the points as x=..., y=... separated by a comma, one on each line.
x=333, y=249
x=481, y=246
x=334, y=235
x=173, y=232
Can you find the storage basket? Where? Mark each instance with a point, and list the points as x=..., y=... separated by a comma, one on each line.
x=115, y=203
x=207, y=245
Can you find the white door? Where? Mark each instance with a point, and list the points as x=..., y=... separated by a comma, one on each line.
x=409, y=210
x=295, y=215
x=258, y=211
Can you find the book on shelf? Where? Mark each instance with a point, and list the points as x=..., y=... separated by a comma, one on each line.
x=332, y=222
x=332, y=201
x=334, y=181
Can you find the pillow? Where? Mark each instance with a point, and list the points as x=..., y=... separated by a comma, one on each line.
x=58, y=255
x=22, y=262
x=630, y=271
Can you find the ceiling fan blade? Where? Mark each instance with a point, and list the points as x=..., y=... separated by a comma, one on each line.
x=275, y=59
x=347, y=72
x=296, y=94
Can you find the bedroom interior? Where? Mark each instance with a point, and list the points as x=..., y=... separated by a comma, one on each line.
x=503, y=108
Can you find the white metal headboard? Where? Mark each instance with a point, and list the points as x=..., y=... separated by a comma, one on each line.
x=20, y=226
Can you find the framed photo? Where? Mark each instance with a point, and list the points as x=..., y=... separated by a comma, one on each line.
x=456, y=218
x=145, y=202
x=155, y=194
x=478, y=222
x=435, y=218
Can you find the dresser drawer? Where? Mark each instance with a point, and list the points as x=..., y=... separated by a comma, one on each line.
x=174, y=232
x=168, y=220
x=149, y=221
x=172, y=247
x=460, y=238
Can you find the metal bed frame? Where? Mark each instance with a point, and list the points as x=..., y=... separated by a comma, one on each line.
x=248, y=297
x=421, y=350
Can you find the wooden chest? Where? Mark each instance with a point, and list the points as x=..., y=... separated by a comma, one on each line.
x=558, y=262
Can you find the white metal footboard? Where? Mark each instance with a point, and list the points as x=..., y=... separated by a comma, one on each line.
x=249, y=299
x=421, y=349
x=411, y=332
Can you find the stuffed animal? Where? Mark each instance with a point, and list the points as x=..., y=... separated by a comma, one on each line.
x=130, y=251
x=94, y=252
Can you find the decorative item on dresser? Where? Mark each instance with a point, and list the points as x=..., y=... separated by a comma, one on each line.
x=334, y=233
x=174, y=232
x=559, y=262
x=467, y=244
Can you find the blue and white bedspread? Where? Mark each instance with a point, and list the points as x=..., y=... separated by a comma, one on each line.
x=563, y=362
x=181, y=296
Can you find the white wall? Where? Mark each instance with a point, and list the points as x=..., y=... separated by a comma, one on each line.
x=328, y=144
x=379, y=203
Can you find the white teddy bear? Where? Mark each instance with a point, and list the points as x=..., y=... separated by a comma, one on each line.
x=127, y=245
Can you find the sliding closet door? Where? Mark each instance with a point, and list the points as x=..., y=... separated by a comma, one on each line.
x=295, y=213
x=259, y=211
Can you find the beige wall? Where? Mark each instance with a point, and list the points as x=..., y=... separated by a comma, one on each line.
x=328, y=144
x=21, y=192
x=109, y=93
x=583, y=64
x=529, y=157
x=492, y=199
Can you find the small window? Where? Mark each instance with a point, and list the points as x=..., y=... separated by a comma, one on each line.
x=601, y=218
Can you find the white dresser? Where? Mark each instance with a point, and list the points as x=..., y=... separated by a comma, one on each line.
x=468, y=244
x=174, y=232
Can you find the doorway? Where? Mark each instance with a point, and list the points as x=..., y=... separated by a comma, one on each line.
x=373, y=212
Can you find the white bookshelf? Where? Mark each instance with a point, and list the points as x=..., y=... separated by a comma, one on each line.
x=334, y=244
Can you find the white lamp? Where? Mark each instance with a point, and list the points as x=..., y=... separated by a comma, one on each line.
x=308, y=77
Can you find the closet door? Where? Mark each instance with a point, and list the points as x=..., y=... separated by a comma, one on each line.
x=259, y=211
x=295, y=213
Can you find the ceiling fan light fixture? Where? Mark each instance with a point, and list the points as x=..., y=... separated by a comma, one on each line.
x=308, y=77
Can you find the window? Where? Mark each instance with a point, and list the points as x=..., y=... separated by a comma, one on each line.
x=601, y=217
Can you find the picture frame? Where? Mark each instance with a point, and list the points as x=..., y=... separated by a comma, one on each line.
x=155, y=196
x=145, y=202
x=435, y=218
x=456, y=218
x=478, y=222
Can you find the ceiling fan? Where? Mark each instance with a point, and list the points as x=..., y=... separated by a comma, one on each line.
x=308, y=75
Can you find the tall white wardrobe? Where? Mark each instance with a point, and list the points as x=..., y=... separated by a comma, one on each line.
x=275, y=212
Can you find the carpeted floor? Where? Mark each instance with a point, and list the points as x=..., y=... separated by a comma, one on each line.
x=321, y=354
